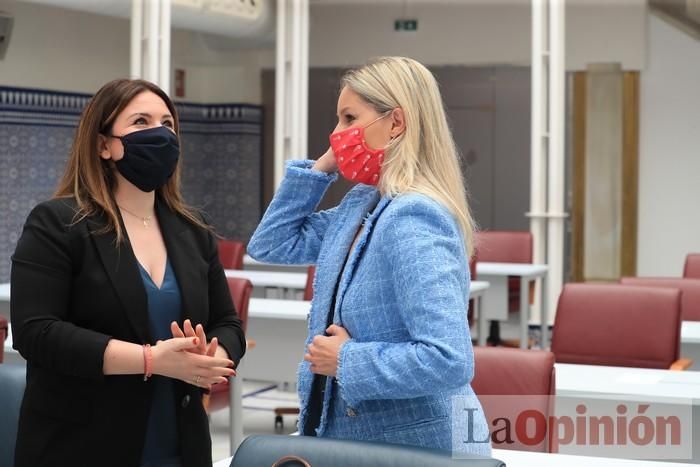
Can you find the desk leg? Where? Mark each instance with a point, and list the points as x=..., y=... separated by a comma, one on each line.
x=495, y=307
x=235, y=412
x=690, y=351
x=524, y=312
x=544, y=314
x=481, y=321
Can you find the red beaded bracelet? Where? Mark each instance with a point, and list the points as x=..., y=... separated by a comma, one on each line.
x=147, y=362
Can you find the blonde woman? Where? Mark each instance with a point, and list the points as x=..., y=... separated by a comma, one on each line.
x=388, y=354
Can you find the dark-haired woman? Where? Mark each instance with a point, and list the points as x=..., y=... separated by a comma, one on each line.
x=119, y=303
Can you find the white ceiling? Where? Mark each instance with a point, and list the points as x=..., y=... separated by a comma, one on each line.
x=416, y=2
x=182, y=16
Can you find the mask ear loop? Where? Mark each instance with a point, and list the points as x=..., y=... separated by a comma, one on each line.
x=375, y=120
x=386, y=114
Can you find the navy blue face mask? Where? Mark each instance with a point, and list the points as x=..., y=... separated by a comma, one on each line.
x=150, y=157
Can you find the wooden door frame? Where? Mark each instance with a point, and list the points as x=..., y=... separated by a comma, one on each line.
x=630, y=174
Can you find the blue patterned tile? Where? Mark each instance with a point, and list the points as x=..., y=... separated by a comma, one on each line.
x=222, y=159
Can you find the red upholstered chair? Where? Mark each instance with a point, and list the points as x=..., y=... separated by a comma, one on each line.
x=241, y=290
x=231, y=254
x=692, y=266
x=3, y=336
x=309, y=289
x=472, y=275
x=472, y=267
x=505, y=247
x=618, y=325
x=690, y=292
x=527, y=375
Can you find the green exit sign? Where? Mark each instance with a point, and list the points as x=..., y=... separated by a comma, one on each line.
x=406, y=25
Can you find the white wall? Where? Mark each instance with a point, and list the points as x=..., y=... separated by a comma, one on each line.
x=226, y=76
x=53, y=48
x=63, y=50
x=606, y=31
x=669, y=168
x=75, y=51
x=476, y=32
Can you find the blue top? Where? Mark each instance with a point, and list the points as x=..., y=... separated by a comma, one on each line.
x=404, y=376
x=161, y=447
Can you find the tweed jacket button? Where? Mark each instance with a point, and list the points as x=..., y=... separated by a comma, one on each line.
x=185, y=401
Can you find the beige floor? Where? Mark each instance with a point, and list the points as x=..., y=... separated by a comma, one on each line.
x=258, y=415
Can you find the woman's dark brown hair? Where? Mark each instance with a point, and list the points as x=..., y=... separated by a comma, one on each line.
x=90, y=179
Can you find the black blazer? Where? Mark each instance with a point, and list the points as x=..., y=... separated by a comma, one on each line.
x=72, y=290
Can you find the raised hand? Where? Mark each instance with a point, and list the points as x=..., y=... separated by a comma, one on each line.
x=203, y=348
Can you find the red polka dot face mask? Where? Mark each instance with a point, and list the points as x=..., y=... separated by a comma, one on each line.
x=356, y=161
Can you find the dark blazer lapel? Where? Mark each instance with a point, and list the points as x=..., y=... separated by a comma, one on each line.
x=190, y=268
x=123, y=271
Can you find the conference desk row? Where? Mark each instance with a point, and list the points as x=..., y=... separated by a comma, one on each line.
x=288, y=281
x=280, y=328
x=491, y=290
x=268, y=316
x=572, y=381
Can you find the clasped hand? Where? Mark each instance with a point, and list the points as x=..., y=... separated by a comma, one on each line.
x=189, y=358
x=323, y=351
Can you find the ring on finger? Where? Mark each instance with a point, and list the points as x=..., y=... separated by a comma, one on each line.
x=197, y=379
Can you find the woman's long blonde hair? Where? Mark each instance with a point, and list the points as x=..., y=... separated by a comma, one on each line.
x=424, y=158
x=90, y=179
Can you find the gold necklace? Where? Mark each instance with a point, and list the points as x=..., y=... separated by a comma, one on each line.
x=145, y=220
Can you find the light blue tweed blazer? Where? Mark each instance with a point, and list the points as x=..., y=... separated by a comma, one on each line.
x=403, y=299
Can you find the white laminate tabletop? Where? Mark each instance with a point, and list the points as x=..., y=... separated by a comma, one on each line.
x=271, y=308
x=286, y=280
x=510, y=269
x=249, y=261
x=8, y=342
x=289, y=280
x=223, y=462
x=541, y=459
x=690, y=332
x=477, y=288
x=582, y=380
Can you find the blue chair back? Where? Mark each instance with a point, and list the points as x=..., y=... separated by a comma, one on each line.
x=12, y=382
x=295, y=451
